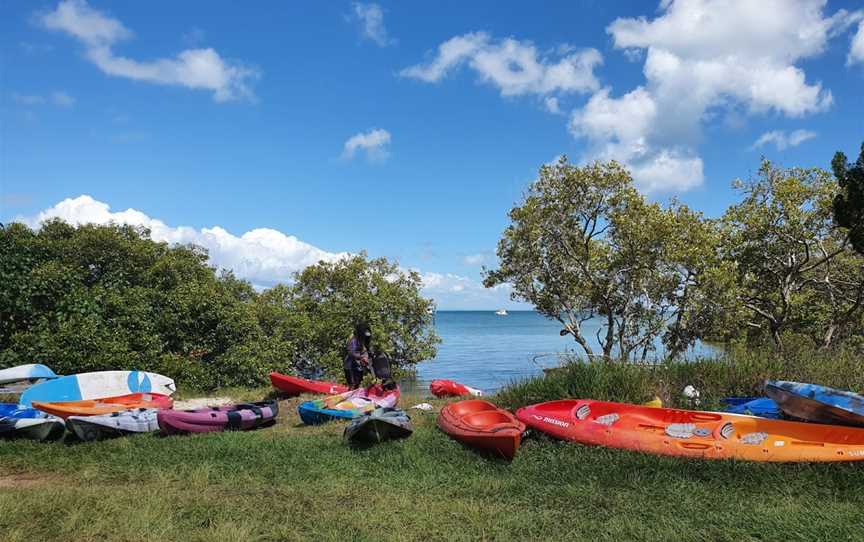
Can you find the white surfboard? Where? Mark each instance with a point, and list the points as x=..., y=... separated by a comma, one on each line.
x=31, y=371
x=97, y=386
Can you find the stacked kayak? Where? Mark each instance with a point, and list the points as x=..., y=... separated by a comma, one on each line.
x=449, y=388
x=686, y=433
x=29, y=372
x=752, y=406
x=89, y=428
x=98, y=385
x=207, y=420
x=108, y=405
x=348, y=405
x=293, y=386
x=815, y=403
x=29, y=423
x=379, y=425
x=480, y=424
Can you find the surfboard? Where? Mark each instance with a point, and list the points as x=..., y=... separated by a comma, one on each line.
x=32, y=371
x=97, y=385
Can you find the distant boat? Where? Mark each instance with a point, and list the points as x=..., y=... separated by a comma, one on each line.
x=501, y=312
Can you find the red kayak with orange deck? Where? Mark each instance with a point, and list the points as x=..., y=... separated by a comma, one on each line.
x=480, y=424
x=449, y=388
x=292, y=385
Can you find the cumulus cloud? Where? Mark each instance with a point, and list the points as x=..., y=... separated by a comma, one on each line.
x=262, y=256
x=782, y=141
x=192, y=68
x=374, y=143
x=514, y=67
x=702, y=56
x=371, y=19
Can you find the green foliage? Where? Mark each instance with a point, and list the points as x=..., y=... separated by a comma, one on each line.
x=94, y=298
x=318, y=312
x=584, y=243
x=794, y=271
x=849, y=203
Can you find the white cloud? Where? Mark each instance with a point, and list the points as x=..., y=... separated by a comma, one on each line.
x=192, y=68
x=265, y=256
x=58, y=98
x=514, y=67
x=374, y=143
x=474, y=259
x=371, y=18
x=28, y=99
x=551, y=104
x=702, y=56
x=782, y=141
x=856, y=52
x=62, y=99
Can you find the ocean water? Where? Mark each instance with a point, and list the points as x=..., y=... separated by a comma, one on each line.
x=487, y=351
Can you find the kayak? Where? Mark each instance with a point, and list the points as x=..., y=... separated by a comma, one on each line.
x=89, y=428
x=753, y=406
x=107, y=405
x=449, y=388
x=206, y=420
x=379, y=425
x=815, y=403
x=29, y=423
x=29, y=372
x=347, y=406
x=688, y=433
x=480, y=424
x=98, y=385
x=292, y=385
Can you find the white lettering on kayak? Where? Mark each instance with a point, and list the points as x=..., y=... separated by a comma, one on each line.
x=553, y=421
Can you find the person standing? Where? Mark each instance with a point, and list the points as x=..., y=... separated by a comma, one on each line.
x=358, y=352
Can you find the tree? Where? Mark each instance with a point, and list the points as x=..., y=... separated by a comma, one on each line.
x=794, y=270
x=584, y=243
x=849, y=203
x=318, y=312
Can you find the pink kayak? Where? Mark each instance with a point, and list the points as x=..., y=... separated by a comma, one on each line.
x=207, y=420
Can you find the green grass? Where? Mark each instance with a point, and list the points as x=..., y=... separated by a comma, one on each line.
x=290, y=482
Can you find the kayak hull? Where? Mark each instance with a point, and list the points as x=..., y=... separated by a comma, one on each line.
x=380, y=425
x=28, y=423
x=293, y=386
x=108, y=405
x=214, y=419
x=686, y=433
x=449, y=388
x=91, y=428
x=98, y=385
x=30, y=372
x=815, y=403
x=482, y=425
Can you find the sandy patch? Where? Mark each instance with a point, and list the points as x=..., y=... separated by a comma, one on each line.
x=202, y=402
x=19, y=481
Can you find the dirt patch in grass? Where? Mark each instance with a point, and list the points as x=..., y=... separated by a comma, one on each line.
x=26, y=480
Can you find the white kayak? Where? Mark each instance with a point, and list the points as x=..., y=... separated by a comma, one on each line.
x=87, y=428
x=31, y=371
x=97, y=385
x=44, y=428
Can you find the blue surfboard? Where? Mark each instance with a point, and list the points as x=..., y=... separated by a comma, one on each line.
x=815, y=403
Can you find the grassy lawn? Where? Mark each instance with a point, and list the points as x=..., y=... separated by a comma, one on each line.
x=289, y=482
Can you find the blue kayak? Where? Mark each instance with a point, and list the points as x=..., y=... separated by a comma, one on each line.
x=24, y=422
x=752, y=406
x=315, y=415
x=815, y=403
x=18, y=412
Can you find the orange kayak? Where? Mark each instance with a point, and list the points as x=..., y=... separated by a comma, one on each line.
x=480, y=424
x=108, y=405
x=688, y=433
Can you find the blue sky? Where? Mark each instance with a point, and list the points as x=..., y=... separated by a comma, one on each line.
x=405, y=129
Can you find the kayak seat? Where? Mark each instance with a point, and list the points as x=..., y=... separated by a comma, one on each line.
x=464, y=408
x=487, y=420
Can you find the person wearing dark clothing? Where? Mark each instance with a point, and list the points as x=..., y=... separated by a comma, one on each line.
x=357, y=358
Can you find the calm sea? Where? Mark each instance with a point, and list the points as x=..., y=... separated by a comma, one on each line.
x=487, y=351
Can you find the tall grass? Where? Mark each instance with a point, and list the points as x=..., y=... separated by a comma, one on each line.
x=739, y=371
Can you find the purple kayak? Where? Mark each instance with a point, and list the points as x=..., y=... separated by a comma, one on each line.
x=228, y=417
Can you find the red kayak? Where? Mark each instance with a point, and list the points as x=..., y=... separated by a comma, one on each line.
x=292, y=385
x=449, y=388
x=480, y=424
